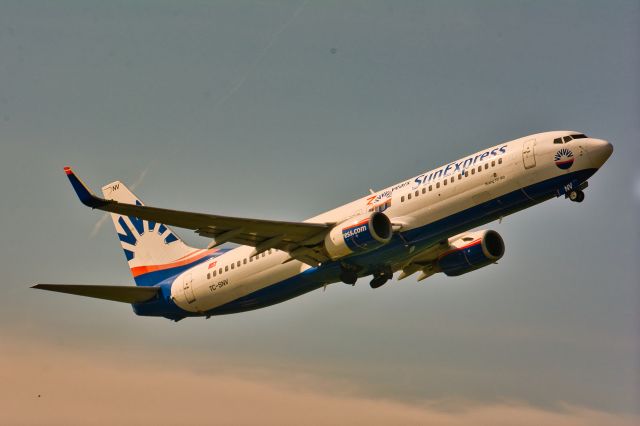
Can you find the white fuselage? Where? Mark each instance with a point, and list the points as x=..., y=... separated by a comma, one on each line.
x=411, y=204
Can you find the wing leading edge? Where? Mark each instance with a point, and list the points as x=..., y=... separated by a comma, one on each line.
x=300, y=239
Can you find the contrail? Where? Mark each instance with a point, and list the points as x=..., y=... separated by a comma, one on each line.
x=98, y=225
x=261, y=55
x=234, y=89
x=103, y=219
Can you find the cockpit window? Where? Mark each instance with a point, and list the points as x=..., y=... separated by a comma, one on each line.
x=569, y=138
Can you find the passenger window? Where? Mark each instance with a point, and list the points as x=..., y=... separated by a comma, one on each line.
x=208, y=276
x=220, y=271
x=238, y=263
x=445, y=182
x=244, y=261
x=430, y=187
x=459, y=176
x=499, y=160
x=466, y=174
x=233, y=266
x=473, y=171
x=402, y=199
x=567, y=139
x=479, y=169
x=213, y=274
x=493, y=163
x=417, y=193
x=270, y=251
x=424, y=190
x=486, y=166
x=408, y=196
x=264, y=254
x=451, y=179
x=226, y=268
x=438, y=185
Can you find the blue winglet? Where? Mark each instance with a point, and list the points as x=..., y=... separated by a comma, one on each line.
x=86, y=196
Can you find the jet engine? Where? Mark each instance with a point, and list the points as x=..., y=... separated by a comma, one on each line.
x=358, y=234
x=471, y=251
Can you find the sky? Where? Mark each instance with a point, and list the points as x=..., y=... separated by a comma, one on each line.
x=284, y=109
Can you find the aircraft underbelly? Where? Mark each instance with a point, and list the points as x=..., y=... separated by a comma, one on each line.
x=280, y=283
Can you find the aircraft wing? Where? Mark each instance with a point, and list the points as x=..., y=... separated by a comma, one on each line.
x=117, y=293
x=300, y=239
x=423, y=261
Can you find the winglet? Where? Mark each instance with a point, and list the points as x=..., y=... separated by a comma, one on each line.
x=86, y=196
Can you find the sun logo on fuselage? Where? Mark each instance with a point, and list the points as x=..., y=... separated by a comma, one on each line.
x=141, y=227
x=564, y=158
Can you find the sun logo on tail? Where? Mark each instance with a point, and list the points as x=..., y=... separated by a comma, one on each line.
x=141, y=227
x=564, y=158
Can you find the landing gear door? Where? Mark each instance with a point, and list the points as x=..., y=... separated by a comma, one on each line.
x=187, y=287
x=528, y=153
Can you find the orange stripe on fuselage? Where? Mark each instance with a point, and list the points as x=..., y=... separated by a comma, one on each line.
x=140, y=270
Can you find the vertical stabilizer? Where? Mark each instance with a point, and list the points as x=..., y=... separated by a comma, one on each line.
x=153, y=250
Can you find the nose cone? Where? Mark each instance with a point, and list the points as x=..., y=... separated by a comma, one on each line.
x=600, y=151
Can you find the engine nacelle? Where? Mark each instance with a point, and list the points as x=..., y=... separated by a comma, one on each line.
x=471, y=251
x=358, y=234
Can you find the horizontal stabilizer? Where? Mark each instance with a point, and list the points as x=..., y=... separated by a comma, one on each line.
x=117, y=293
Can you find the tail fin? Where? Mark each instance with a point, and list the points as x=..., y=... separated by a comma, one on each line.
x=154, y=251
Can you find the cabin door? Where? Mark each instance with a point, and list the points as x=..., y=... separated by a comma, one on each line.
x=529, y=154
x=187, y=287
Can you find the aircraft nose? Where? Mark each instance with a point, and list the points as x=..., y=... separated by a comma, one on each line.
x=600, y=150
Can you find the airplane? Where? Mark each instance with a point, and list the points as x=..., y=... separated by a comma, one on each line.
x=420, y=225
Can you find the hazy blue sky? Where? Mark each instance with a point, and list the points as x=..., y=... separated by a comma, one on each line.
x=283, y=109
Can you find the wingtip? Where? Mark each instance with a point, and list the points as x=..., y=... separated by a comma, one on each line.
x=82, y=191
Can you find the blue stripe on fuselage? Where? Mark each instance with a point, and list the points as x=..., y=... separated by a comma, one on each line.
x=155, y=277
x=164, y=275
x=395, y=250
x=163, y=305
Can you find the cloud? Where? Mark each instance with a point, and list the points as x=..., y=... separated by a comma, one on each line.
x=47, y=384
